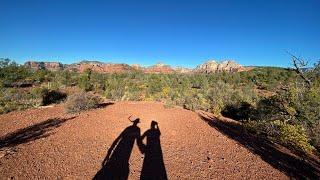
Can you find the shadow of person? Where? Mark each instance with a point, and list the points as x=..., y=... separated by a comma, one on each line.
x=116, y=163
x=153, y=165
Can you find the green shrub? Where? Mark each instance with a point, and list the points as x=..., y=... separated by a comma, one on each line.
x=196, y=102
x=115, y=88
x=223, y=94
x=52, y=96
x=47, y=96
x=85, y=81
x=12, y=99
x=11, y=73
x=306, y=104
x=239, y=111
x=292, y=136
x=82, y=101
x=314, y=133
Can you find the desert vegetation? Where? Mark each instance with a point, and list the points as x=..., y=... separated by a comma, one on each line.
x=82, y=101
x=278, y=104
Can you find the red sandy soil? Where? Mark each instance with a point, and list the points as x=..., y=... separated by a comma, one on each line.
x=74, y=146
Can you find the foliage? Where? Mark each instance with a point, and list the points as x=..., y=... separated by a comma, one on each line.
x=239, y=111
x=293, y=136
x=82, y=101
x=223, y=95
x=196, y=101
x=11, y=72
x=52, y=96
x=269, y=78
x=85, y=81
x=12, y=99
x=314, y=134
x=115, y=88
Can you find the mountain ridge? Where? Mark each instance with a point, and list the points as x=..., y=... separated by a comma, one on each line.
x=210, y=66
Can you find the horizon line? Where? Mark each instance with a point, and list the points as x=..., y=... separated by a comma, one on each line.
x=75, y=61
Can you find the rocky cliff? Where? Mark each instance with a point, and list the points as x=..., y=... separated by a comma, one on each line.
x=51, y=66
x=158, y=68
x=207, y=67
x=212, y=66
x=98, y=67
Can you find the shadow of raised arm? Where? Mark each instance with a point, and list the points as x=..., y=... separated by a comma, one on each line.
x=141, y=146
x=110, y=150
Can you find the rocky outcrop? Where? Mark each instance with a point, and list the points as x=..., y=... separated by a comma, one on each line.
x=51, y=66
x=213, y=67
x=158, y=68
x=183, y=70
x=96, y=66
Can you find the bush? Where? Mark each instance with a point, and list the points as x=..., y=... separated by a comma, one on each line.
x=11, y=73
x=305, y=103
x=196, y=102
x=52, y=96
x=16, y=99
x=224, y=94
x=239, y=111
x=292, y=136
x=115, y=88
x=85, y=81
x=314, y=134
x=82, y=101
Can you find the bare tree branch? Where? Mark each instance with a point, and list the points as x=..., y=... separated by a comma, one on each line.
x=299, y=63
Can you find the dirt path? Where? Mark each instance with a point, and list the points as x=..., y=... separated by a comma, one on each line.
x=55, y=145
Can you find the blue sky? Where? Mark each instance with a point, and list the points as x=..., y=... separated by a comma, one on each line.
x=179, y=33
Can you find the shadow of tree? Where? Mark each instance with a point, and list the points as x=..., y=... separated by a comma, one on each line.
x=105, y=104
x=31, y=133
x=294, y=167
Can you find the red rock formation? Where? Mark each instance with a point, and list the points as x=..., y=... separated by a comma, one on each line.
x=213, y=67
x=207, y=67
x=34, y=65
x=99, y=67
x=158, y=68
x=51, y=66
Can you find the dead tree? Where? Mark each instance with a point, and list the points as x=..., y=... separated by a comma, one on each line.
x=298, y=64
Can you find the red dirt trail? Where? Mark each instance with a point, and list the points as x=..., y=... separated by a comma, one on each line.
x=74, y=146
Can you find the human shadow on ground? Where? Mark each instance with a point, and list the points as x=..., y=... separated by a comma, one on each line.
x=291, y=165
x=116, y=163
x=153, y=165
x=31, y=133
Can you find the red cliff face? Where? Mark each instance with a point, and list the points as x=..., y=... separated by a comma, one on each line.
x=118, y=68
x=34, y=65
x=99, y=67
x=51, y=66
x=208, y=67
x=158, y=68
x=224, y=66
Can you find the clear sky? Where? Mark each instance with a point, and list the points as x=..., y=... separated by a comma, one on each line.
x=184, y=33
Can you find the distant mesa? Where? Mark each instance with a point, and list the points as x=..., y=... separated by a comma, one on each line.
x=210, y=66
x=158, y=68
x=51, y=66
x=97, y=66
x=183, y=70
